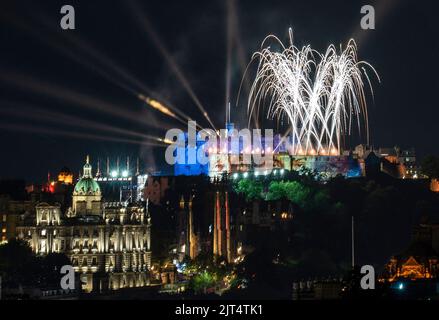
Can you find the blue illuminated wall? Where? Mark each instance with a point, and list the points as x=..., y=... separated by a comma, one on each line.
x=185, y=169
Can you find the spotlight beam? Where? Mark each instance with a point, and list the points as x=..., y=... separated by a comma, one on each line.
x=63, y=94
x=86, y=136
x=229, y=43
x=32, y=112
x=87, y=52
x=147, y=27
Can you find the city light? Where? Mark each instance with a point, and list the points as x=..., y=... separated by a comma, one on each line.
x=114, y=173
x=125, y=173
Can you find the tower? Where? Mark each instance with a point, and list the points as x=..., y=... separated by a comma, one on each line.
x=222, y=245
x=193, y=239
x=87, y=194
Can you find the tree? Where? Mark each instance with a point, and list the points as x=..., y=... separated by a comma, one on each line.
x=50, y=267
x=276, y=190
x=252, y=189
x=203, y=281
x=20, y=266
x=297, y=192
x=17, y=263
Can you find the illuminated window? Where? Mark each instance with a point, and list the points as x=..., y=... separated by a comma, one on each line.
x=43, y=246
x=4, y=230
x=4, y=218
x=43, y=232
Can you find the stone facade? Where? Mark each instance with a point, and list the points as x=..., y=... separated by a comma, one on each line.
x=109, y=244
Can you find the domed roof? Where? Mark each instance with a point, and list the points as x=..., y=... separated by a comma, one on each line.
x=88, y=186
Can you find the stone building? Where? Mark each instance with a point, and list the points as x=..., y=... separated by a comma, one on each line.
x=10, y=212
x=420, y=261
x=109, y=243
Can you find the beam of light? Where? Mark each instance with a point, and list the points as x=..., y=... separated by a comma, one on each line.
x=85, y=51
x=157, y=105
x=320, y=94
x=147, y=27
x=83, y=56
x=99, y=58
x=229, y=42
x=240, y=53
x=35, y=113
x=117, y=69
x=91, y=58
x=121, y=72
x=60, y=93
x=79, y=135
x=167, y=141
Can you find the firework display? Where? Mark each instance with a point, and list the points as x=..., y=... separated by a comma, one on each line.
x=321, y=95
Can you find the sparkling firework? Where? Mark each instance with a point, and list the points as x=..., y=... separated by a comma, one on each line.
x=321, y=95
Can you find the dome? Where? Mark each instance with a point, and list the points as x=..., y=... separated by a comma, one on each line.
x=87, y=186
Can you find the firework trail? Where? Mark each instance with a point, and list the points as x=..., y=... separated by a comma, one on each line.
x=320, y=94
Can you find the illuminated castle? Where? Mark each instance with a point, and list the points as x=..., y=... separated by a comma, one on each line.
x=109, y=243
x=228, y=155
x=65, y=176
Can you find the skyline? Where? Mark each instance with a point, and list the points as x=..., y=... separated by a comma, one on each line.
x=39, y=50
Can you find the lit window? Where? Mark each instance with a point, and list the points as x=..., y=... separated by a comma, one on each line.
x=4, y=218
x=43, y=232
x=4, y=230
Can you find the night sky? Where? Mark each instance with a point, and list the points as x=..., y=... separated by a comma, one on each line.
x=63, y=95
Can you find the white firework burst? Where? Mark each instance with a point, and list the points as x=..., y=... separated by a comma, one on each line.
x=321, y=95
